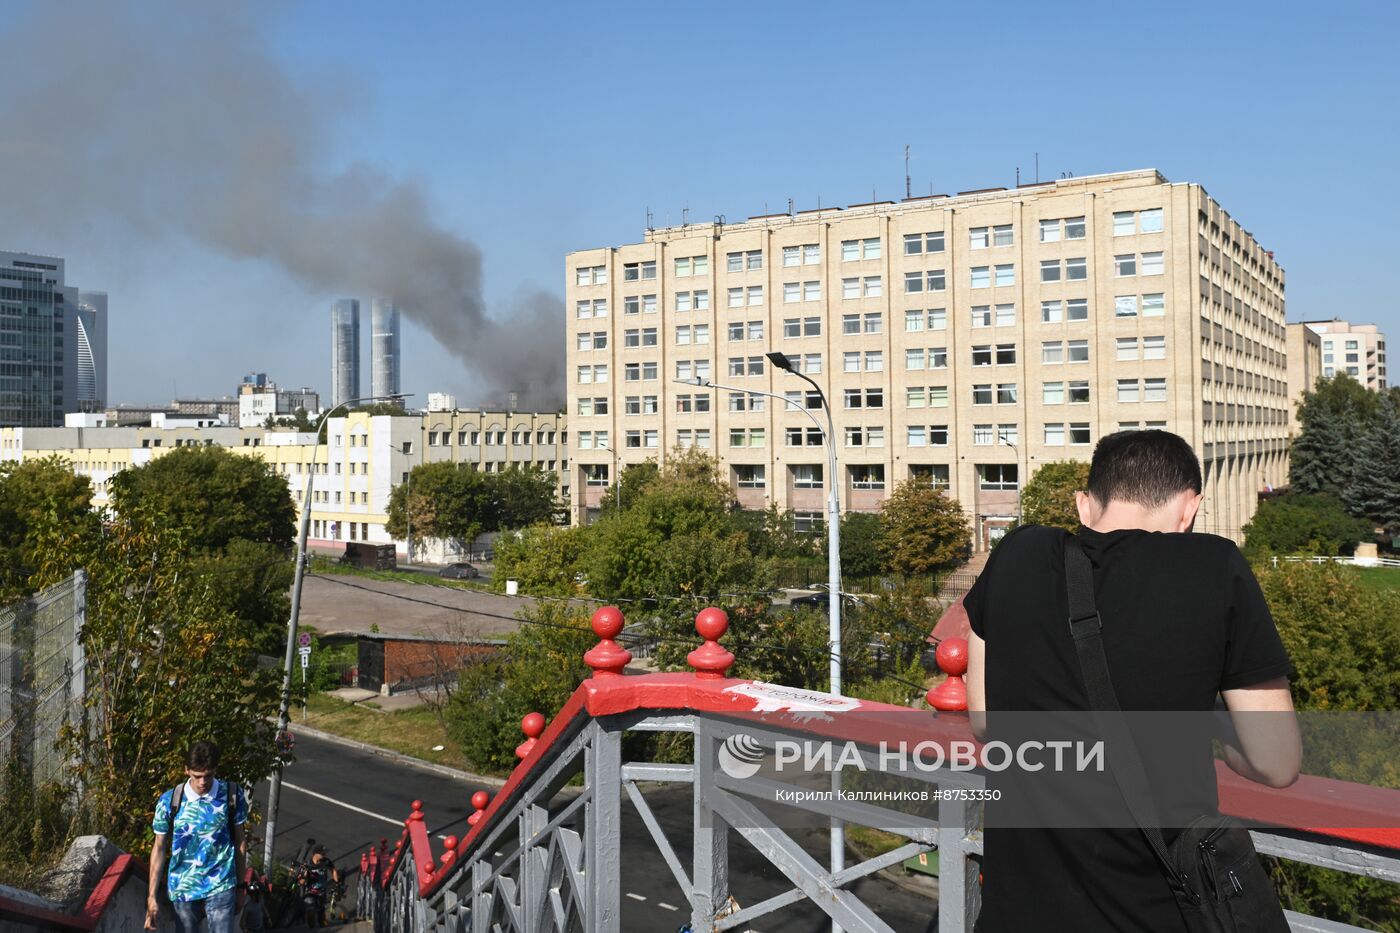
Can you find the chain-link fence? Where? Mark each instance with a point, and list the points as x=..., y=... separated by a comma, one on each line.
x=42, y=675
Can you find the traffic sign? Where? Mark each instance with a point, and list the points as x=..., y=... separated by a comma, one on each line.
x=304, y=652
x=306, y=660
x=304, y=639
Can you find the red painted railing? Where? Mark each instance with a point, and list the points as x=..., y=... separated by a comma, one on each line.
x=122, y=867
x=1313, y=804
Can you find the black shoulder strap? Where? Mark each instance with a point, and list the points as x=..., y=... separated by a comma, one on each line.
x=1086, y=628
x=230, y=804
x=177, y=797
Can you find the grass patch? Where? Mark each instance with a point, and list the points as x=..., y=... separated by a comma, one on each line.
x=871, y=842
x=409, y=732
x=324, y=565
x=1380, y=579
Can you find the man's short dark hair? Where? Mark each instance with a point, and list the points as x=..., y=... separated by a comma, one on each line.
x=1147, y=468
x=202, y=756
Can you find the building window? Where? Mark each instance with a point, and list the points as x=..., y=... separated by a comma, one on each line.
x=1154, y=390
x=1152, y=264
x=983, y=434
x=1076, y=270
x=1154, y=305
x=1005, y=274
x=860, y=249
x=1127, y=348
x=591, y=275
x=1077, y=309
x=1074, y=228
x=1008, y=434
x=1050, y=270
x=1052, y=351
x=1003, y=235
x=914, y=359
x=982, y=316
x=1078, y=351
x=1124, y=223
x=938, y=358
x=635, y=271
x=1125, y=265
x=868, y=476
x=913, y=321
x=1128, y=390
x=1052, y=312
x=982, y=355
x=750, y=476
x=982, y=394
x=739, y=261
x=692, y=265
x=1079, y=433
x=1006, y=393
x=806, y=476
x=935, y=474
x=978, y=238
x=1150, y=221
x=1049, y=231
x=981, y=276
x=1055, y=434
x=1006, y=354
x=918, y=243
x=1125, y=306
x=998, y=476
x=1079, y=392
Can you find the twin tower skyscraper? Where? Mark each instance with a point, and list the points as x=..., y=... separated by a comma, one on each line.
x=385, y=354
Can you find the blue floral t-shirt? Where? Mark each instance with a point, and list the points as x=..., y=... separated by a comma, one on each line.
x=200, y=850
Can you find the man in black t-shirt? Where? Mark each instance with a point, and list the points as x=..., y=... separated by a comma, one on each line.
x=1184, y=621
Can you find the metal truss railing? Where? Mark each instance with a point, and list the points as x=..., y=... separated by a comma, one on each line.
x=546, y=855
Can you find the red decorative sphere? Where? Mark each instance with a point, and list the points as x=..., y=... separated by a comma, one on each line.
x=607, y=622
x=480, y=799
x=417, y=805
x=532, y=725
x=712, y=623
x=450, y=843
x=952, y=656
x=428, y=867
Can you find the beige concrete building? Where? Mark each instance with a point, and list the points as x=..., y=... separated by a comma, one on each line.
x=1355, y=349
x=365, y=456
x=964, y=339
x=1304, y=368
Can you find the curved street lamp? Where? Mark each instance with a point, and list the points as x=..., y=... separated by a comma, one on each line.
x=274, y=793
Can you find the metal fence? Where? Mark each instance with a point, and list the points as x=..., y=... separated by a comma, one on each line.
x=42, y=675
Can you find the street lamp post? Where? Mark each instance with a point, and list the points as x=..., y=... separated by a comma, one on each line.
x=1019, y=479
x=274, y=793
x=408, y=506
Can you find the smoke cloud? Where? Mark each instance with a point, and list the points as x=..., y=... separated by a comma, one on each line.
x=176, y=118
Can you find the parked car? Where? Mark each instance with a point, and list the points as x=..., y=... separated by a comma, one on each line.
x=459, y=571
x=820, y=600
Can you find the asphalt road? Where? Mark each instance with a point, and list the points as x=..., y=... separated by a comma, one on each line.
x=348, y=800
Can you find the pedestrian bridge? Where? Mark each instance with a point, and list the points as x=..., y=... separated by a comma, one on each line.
x=544, y=853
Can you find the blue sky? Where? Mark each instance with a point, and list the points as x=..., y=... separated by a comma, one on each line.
x=538, y=130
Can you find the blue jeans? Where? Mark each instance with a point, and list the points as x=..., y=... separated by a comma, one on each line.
x=218, y=911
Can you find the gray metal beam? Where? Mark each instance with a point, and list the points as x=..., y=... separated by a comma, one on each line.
x=709, y=890
x=603, y=869
x=863, y=814
x=1302, y=923
x=959, y=895
x=658, y=835
x=799, y=867
x=1326, y=855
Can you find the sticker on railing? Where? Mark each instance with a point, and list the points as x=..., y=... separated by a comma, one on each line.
x=775, y=698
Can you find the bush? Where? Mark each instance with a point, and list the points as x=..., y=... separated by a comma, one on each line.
x=1303, y=523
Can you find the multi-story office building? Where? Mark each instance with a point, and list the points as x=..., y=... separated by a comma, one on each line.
x=345, y=351
x=385, y=352
x=960, y=339
x=53, y=342
x=259, y=398
x=1304, y=368
x=365, y=456
x=1355, y=349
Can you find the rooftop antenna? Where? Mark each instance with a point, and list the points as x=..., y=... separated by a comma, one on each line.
x=685, y=216
x=1037, y=168
x=1018, y=176
x=719, y=226
x=790, y=211
x=907, y=193
x=650, y=220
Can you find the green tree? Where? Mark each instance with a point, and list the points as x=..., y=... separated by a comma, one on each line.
x=1048, y=499
x=1298, y=523
x=862, y=549
x=214, y=493
x=1334, y=417
x=168, y=663
x=544, y=559
x=1374, y=491
x=33, y=494
x=538, y=669
x=523, y=497
x=443, y=500
x=300, y=421
x=633, y=479
x=924, y=531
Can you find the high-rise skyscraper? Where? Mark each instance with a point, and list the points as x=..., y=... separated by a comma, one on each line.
x=345, y=351
x=385, y=357
x=53, y=346
x=89, y=366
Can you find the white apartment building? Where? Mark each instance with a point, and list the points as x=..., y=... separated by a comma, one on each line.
x=960, y=339
x=365, y=456
x=1355, y=349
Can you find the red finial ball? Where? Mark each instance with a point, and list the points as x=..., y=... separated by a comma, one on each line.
x=480, y=799
x=607, y=622
x=428, y=867
x=607, y=658
x=952, y=656
x=712, y=623
x=532, y=725
x=417, y=805
x=450, y=842
x=711, y=661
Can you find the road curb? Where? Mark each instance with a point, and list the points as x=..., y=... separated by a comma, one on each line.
x=409, y=760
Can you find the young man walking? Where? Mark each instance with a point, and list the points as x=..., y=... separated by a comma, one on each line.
x=199, y=838
x=1183, y=621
